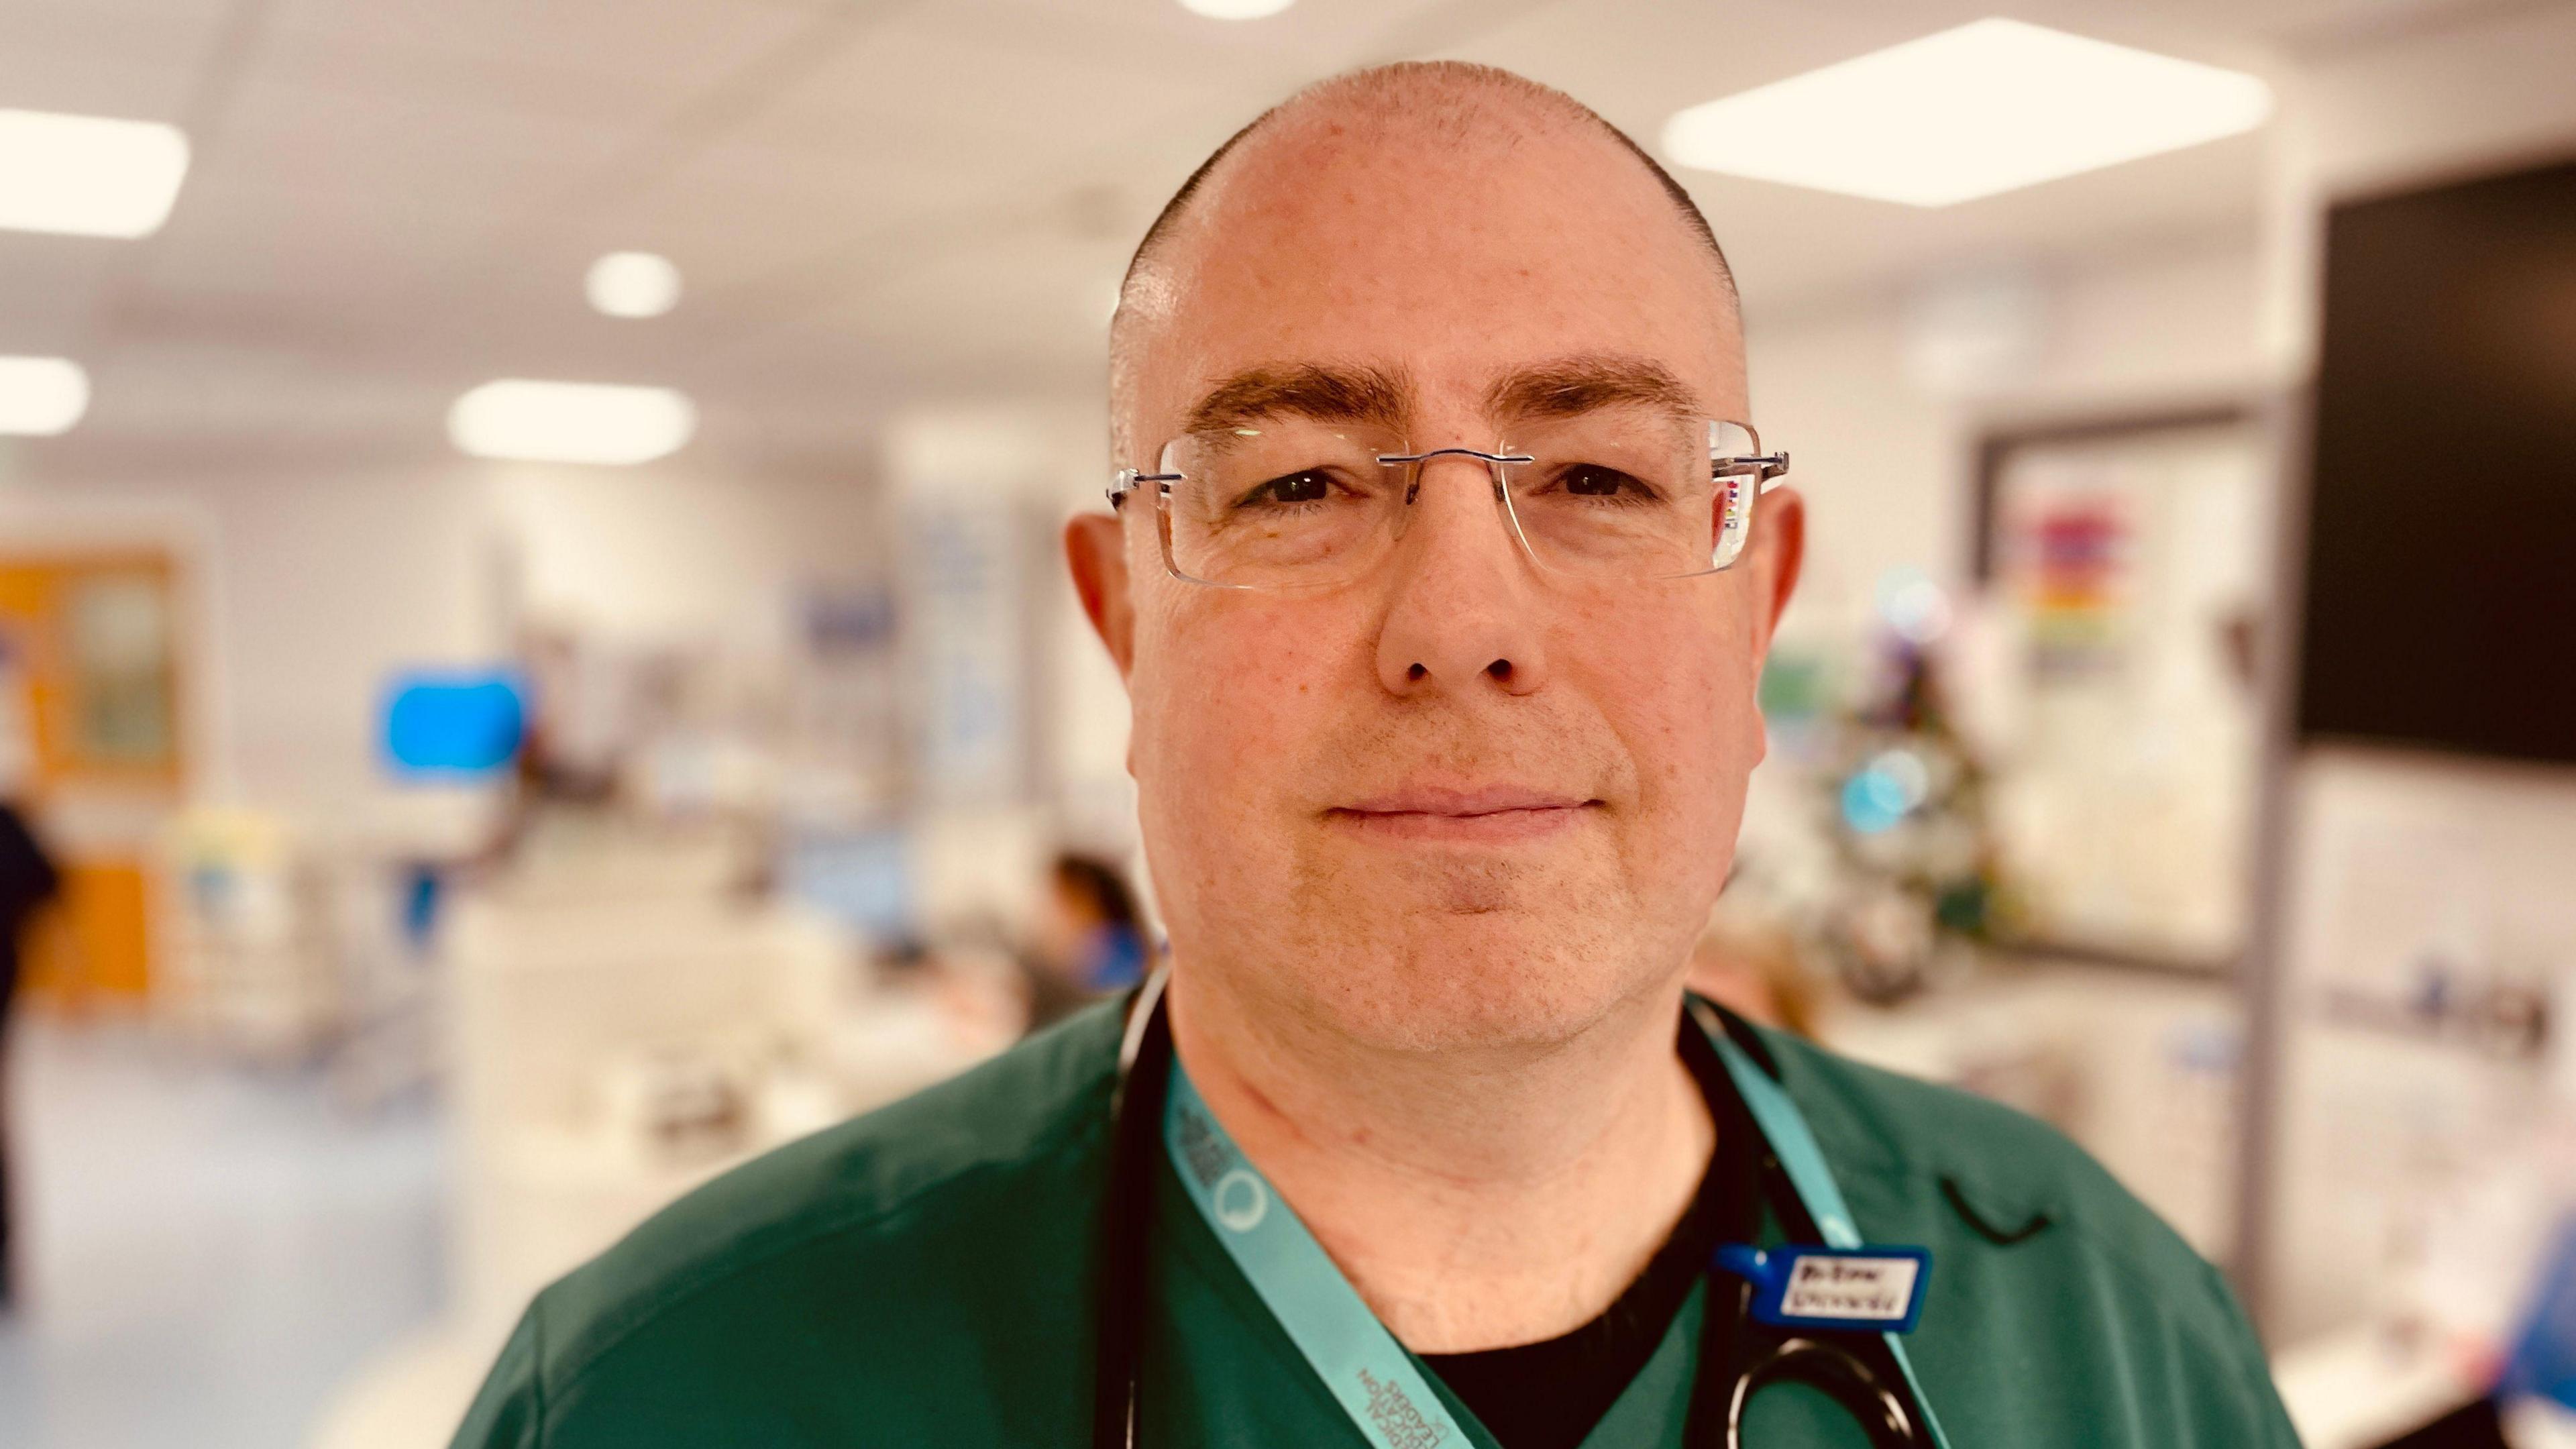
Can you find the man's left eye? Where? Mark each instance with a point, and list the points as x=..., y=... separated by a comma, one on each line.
x=1594, y=480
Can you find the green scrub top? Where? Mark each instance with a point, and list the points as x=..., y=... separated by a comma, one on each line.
x=927, y=1275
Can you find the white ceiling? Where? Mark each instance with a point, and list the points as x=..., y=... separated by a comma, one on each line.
x=873, y=201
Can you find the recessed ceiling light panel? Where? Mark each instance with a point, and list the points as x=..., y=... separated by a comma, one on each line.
x=41, y=396
x=88, y=175
x=1236, y=9
x=634, y=284
x=571, y=422
x=1989, y=107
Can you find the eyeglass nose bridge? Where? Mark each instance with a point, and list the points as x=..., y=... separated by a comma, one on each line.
x=1413, y=484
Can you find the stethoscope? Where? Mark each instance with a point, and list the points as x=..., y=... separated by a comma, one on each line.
x=1740, y=1359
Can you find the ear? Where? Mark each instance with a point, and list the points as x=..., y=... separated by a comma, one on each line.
x=1779, y=550
x=1095, y=550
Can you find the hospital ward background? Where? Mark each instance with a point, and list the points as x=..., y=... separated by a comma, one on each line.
x=532, y=635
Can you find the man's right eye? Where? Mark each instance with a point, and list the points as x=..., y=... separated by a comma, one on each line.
x=1309, y=486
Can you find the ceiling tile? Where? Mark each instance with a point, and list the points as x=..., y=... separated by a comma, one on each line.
x=246, y=232
x=918, y=84
x=408, y=153
x=1310, y=39
x=141, y=31
x=675, y=44
x=734, y=212
x=83, y=65
x=53, y=282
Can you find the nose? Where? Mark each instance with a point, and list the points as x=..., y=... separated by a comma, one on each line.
x=1462, y=611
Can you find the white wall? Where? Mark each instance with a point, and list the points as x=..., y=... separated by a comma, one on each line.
x=1884, y=448
x=308, y=589
x=1872, y=454
x=317, y=584
x=680, y=552
x=2441, y=103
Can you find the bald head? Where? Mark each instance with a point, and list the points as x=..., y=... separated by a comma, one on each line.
x=1451, y=112
x=1438, y=97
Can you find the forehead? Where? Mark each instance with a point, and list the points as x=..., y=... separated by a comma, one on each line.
x=1452, y=254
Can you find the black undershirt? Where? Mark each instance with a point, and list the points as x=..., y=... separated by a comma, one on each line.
x=1548, y=1395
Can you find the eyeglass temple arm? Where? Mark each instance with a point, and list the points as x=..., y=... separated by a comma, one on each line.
x=1767, y=467
x=1130, y=480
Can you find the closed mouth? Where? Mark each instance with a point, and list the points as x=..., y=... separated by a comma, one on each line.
x=1492, y=814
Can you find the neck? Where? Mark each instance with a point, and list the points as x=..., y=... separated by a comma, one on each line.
x=1474, y=1200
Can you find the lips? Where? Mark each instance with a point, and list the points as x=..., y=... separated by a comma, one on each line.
x=1484, y=800
x=1481, y=814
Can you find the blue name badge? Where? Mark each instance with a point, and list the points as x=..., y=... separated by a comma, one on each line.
x=1870, y=1289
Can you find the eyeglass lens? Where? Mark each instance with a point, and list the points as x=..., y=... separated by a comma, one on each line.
x=1607, y=495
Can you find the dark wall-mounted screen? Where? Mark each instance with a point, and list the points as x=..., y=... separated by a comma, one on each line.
x=2441, y=597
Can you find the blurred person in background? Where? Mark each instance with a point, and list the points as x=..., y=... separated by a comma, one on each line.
x=1090, y=940
x=28, y=879
x=1440, y=591
x=972, y=999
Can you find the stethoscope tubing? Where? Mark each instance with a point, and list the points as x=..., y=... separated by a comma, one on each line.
x=1136, y=1104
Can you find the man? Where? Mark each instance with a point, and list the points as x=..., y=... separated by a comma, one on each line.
x=1443, y=710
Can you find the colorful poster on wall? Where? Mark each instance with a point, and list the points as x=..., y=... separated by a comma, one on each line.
x=2127, y=575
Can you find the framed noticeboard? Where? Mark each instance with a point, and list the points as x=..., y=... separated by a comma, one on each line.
x=93, y=643
x=2123, y=561
x=91, y=724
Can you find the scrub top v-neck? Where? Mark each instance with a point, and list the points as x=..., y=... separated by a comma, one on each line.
x=1649, y=1405
x=1552, y=1394
x=1549, y=1395
x=928, y=1275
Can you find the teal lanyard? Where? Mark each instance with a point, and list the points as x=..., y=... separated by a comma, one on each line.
x=1359, y=1361
x=1786, y=1130
x=1377, y=1383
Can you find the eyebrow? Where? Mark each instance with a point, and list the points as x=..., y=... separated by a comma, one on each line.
x=1324, y=392
x=1587, y=382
